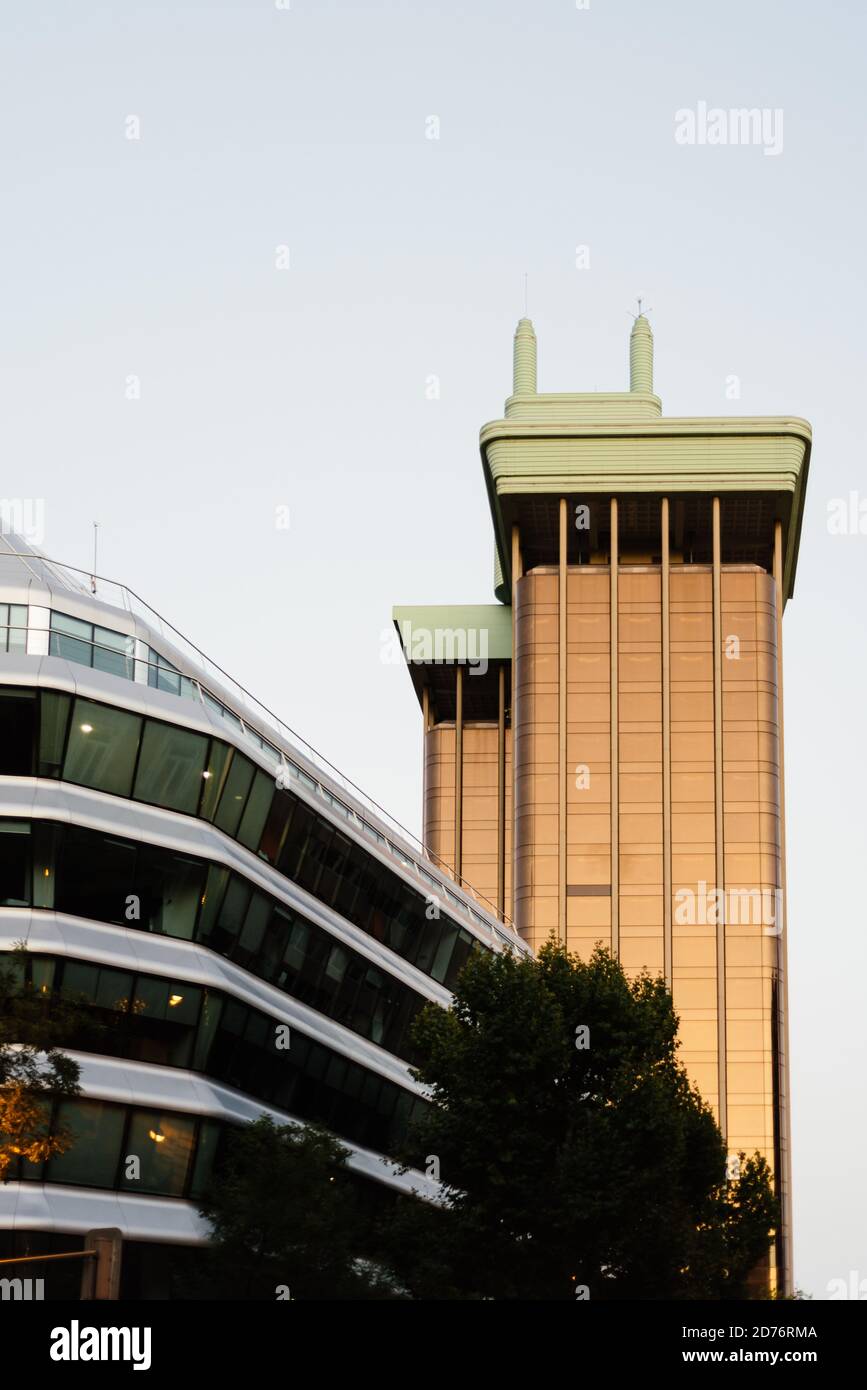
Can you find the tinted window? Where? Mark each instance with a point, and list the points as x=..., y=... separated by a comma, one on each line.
x=97, y=1131
x=295, y=844
x=256, y=810
x=234, y=795
x=18, y=715
x=54, y=717
x=15, y=863
x=231, y=917
x=96, y=875
x=112, y=652
x=212, y=777
x=276, y=826
x=163, y=1143
x=170, y=767
x=215, y=886
x=13, y=627
x=170, y=886
x=103, y=743
x=70, y=638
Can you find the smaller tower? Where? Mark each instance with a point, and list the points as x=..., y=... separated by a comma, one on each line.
x=524, y=369
x=640, y=357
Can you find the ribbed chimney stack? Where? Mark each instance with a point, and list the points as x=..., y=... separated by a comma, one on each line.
x=524, y=360
x=641, y=357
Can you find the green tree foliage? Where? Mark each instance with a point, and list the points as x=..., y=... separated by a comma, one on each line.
x=33, y=1069
x=571, y=1160
x=285, y=1220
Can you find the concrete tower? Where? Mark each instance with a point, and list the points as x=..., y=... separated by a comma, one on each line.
x=603, y=746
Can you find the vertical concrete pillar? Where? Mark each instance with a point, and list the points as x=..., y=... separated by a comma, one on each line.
x=666, y=744
x=615, y=739
x=517, y=569
x=501, y=793
x=425, y=724
x=786, y=1273
x=718, y=821
x=561, y=753
x=459, y=767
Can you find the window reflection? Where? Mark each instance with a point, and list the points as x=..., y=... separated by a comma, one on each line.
x=88, y=644
x=170, y=767
x=154, y=889
x=102, y=747
x=14, y=863
x=149, y=888
x=168, y=1021
x=186, y=771
x=13, y=627
x=92, y=1160
x=17, y=731
x=163, y=1144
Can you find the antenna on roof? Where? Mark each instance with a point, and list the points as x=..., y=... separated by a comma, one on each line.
x=93, y=575
x=640, y=299
x=525, y=293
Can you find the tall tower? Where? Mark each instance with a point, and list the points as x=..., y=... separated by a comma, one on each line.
x=603, y=748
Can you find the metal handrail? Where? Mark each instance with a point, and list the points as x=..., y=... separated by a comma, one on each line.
x=269, y=718
x=38, y=1259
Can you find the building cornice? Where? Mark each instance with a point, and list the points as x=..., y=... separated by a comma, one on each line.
x=707, y=455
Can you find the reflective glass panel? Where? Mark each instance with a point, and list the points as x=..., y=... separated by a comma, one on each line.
x=102, y=747
x=170, y=767
x=113, y=652
x=15, y=863
x=54, y=716
x=234, y=793
x=164, y=1144
x=92, y=1159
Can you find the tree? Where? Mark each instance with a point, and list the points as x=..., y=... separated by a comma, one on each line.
x=285, y=1221
x=33, y=1069
x=576, y=1158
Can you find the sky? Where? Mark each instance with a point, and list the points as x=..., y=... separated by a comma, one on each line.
x=262, y=262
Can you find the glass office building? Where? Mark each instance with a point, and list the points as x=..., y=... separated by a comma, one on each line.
x=603, y=747
x=251, y=934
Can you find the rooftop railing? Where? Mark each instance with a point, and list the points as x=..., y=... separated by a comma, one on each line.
x=289, y=741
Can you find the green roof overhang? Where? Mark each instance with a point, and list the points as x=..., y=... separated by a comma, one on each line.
x=664, y=457
x=435, y=638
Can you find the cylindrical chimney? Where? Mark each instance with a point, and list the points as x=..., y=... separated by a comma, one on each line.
x=641, y=357
x=524, y=360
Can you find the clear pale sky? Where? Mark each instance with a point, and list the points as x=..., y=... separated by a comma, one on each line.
x=260, y=387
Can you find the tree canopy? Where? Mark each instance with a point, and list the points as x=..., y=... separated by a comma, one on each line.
x=576, y=1157
x=285, y=1219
